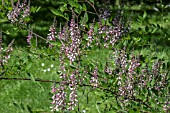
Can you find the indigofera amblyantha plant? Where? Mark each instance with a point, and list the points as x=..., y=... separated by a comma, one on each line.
x=126, y=76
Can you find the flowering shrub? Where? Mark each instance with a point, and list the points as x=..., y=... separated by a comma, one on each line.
x=127, y=79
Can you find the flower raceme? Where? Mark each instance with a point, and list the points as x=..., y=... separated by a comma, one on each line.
x=52, y=34
x=19, y=12
x=5, y=52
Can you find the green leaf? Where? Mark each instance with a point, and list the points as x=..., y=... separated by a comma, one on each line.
x=96, y=27
x=32, y=9
x=92, y=1
x=86, y=17
x=103, y=22
x=84, y=7
x=155, y=30
x=32, y=77
x=156, y=9
x=148, y=84
x=153, y=104
x=115, y=82
x=29, y=109
x=16, y=105
x=137, y=39
x=63, y=8
x=144, y=15
x=128, y=37
x=3, y=20
x=152, y=82
x=9, y=8
x=73, y=4
x=7, y=32
x=72, y=66
x=29, y=66
x=131, y=111
x=78, y=11
x=38, y=9
x=53, y=43
x=140, y=19
x=58, y=13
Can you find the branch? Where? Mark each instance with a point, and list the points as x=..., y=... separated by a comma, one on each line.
x=39, y=80
x=52, y=81
x=30, y=30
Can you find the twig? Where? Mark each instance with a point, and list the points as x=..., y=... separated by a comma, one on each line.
x=2, y=2
x=92, y=7
x=3, y=72
x=36, y=34
x=102, y=88
x=97, y=108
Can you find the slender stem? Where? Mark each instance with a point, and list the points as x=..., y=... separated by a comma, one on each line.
x=31, y=31
x=0, y=39
x=139, y=100
x=36, y=41
x=12, y=3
